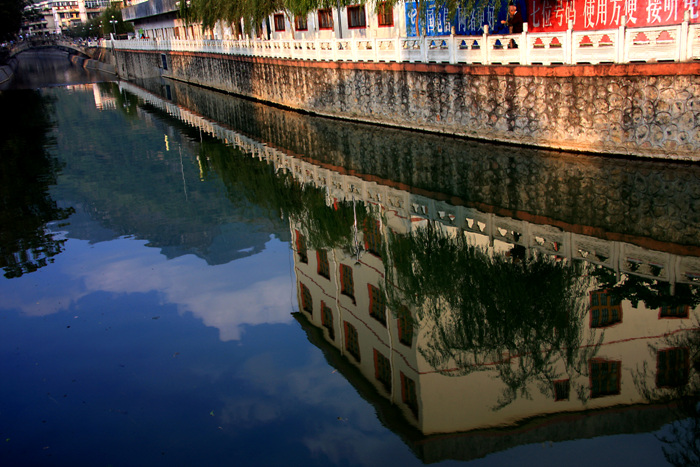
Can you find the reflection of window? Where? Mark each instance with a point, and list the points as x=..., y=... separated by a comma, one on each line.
x=373, y=240
x=405, y=322
x=561, y=390
x=605, y=377
x=301, y=248
x=327, y=320
x=324, y=268
x=408, y=393
x=347, y=286
x=352, y=343
x=307, y=303
x=605, y=310
x=356, y=17
x=672, y=367
x=325, y=19
x=300, y=23
x=385, y=15
x=377, y=304
x=382, y=370
x=279, y=22
x=679, y=311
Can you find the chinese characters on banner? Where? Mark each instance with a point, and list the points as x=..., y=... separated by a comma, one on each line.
x=436, y=20
x=554, y=15
x=465, y=22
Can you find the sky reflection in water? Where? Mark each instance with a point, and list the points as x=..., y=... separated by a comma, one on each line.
x=136, y=348
x=114, y=354
x=123, y=357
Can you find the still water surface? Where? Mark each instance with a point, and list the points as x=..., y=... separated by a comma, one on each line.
x=195, y=279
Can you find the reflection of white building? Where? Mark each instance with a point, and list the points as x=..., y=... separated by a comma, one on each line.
x=103, y=100
x=620, y=348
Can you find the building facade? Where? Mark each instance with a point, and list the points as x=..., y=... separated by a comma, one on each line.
x=159, y=19
x=56, y=16
x=428, y=361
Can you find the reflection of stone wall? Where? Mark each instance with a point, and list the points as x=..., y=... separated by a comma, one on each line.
x=658, y=200
x=647, y=110
x=7, y=72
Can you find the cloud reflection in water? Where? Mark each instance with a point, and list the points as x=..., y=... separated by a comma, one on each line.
x=249, y=291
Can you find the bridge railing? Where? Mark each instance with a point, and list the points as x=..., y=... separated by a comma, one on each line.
x=49, y=41
x=675, y=43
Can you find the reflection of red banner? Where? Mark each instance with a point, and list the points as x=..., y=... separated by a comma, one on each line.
x=554, y=15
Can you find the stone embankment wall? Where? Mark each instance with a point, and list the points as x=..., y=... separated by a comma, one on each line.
x=647, y=110
x=7, y=73
x=91, y=64
x=100, y=60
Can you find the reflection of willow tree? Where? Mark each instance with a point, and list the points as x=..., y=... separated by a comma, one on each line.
x=676, y=382
x=280, y=193
x=653, y=293
x=522, y=318
x=27, y=172
x=680, y=355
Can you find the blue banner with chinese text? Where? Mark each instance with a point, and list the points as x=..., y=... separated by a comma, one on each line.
x=465, y=22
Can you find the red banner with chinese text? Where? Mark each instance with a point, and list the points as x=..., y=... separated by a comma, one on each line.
x=554, y=15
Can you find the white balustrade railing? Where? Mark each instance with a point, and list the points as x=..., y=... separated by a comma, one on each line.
x=677, y=43
x=693, y=46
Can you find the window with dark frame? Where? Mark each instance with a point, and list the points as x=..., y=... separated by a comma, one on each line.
x=356, y=17
x=377, y=304
x=405, y=325
x=408, y=393
x=327, y=320
x=562, y=388
x=279, y=23
x=672, y=367
x=382, y=370
x=300, y=23
x=605, y=310
x=347, y=285
x=352, y=342
x=307, y=303
x=605, y=377
x=385, y=15
x=324, y=268
x=301, y=247
x=373, y=239
x=325, y=18
x=678, y=311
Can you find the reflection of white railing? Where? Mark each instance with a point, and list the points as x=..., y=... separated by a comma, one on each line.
x=623, y=258
x=677, y=43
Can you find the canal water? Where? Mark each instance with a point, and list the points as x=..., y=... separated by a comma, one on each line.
x=190, y=278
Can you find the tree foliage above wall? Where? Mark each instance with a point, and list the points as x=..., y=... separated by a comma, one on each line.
x=209, y=12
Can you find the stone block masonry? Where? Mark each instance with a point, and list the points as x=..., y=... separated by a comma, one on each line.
x=641, y=110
